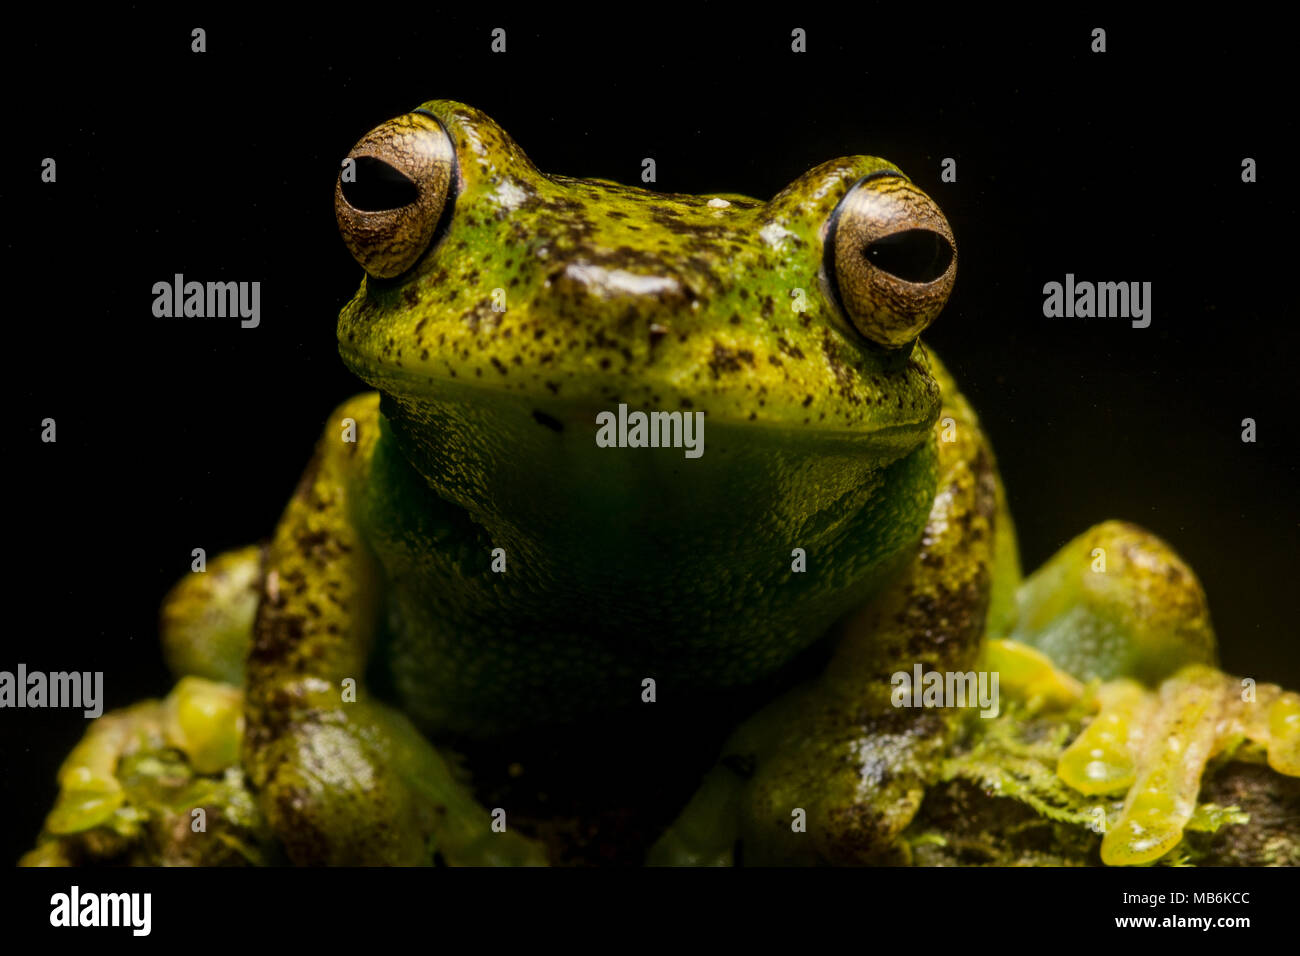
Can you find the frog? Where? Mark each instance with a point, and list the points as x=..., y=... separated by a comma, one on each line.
x=465, y=561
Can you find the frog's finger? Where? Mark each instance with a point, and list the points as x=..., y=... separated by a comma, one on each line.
x=1029, y=675
x=1186, y=732
x=89, y=791
x=205, y=720
x=1103, y=758
x=1116, y=602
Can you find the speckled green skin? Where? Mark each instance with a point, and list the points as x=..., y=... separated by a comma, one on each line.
x=622, y=565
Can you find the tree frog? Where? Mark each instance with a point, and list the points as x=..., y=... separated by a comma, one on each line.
x=464, y=560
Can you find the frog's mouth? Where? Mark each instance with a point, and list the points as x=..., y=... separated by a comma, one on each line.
x=884, y=411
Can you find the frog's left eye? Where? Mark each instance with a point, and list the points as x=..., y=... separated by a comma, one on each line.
x=391, y=193
x=892, y=258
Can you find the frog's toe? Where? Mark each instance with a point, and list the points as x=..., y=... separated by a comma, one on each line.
x=155, y=783
x=1154, y=746
x=1116, y=602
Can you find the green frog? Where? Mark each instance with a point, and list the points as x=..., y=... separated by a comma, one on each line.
x=633, y=453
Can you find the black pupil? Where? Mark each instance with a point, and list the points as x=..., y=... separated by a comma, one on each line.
x=915, y=255
x=378, y=187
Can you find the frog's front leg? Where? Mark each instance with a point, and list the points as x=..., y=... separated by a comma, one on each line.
x=834, y=771
x=341, y=777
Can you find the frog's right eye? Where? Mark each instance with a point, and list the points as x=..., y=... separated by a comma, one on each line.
x=392, y=191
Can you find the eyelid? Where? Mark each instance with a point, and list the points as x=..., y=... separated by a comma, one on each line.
x=878, y=174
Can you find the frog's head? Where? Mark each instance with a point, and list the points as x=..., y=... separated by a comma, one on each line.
x=503, y=309
x=799, y=313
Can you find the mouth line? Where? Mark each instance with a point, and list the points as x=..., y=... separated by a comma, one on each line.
x=416, y=386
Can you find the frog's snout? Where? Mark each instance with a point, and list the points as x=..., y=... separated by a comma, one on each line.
x=891, y=257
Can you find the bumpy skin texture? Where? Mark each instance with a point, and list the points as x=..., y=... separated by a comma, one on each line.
x=381, y=635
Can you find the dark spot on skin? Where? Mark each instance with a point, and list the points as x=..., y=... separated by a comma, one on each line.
x=735, y=319
x=687, y=403
x=769, y=307
x=728, y=360
x=553, y=424
x=807, y=401
x=496, y=363
x=791, y=350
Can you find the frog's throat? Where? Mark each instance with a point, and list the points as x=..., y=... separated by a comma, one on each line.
x=617, y=564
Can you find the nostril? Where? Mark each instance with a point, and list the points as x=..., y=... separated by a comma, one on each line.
x=378, y=187
x=913, y=255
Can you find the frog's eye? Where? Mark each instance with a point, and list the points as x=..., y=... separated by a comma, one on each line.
x=391, y=193
x=893, y=259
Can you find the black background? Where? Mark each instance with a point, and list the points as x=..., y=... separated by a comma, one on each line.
x=176, y=434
